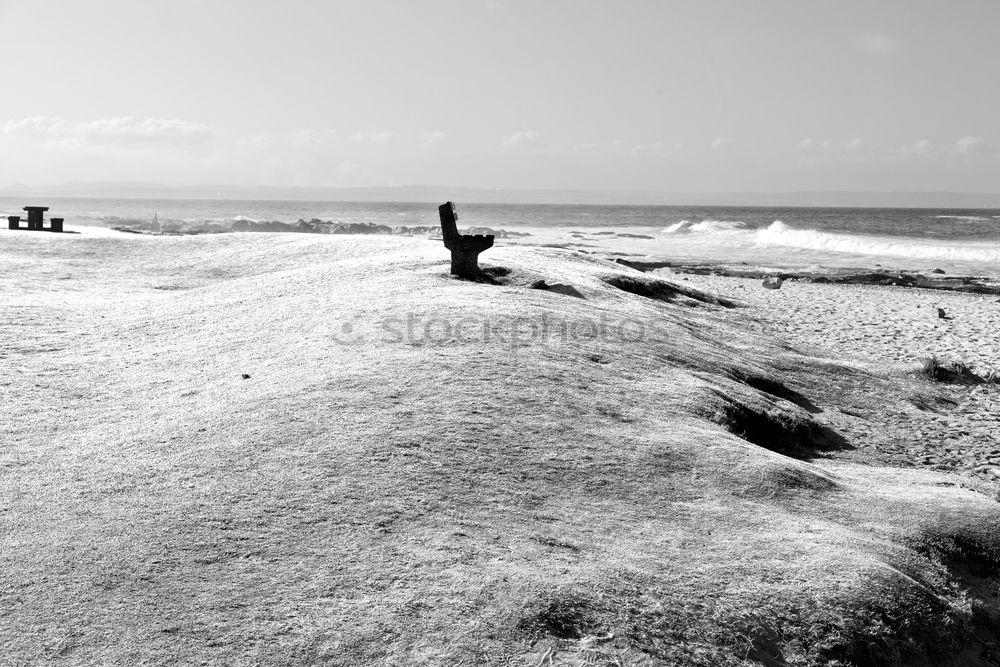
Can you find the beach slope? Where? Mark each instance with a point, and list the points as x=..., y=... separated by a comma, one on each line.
x=292, y=450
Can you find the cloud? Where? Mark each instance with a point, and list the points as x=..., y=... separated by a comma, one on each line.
x=311, y=137
x=972, y=146
x=814, y=146
x=380, y=137
x=432, y=137
x=647, y=149
x=719, y=143
x=855, y=145
x=119, y=130
x=523, y=139
x=878, y=44
x=810, y=145
x=255, y=141
x=919, y=147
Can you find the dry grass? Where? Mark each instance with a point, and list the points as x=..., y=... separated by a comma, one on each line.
x=388, y=488
x=953, y=372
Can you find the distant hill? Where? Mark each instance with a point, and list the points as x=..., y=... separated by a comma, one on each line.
x=438, y=193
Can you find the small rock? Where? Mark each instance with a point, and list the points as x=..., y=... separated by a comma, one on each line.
x=937, y=270
x=559, y=288
x=772, y=282
x=246, y=376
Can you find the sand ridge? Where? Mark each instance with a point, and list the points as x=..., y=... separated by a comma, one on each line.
x=213, y=472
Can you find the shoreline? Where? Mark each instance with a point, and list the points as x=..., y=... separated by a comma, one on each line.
x=933, y=278
x=890, y=331
x=936, y=279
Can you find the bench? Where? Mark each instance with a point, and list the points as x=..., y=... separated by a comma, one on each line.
x=465, y=248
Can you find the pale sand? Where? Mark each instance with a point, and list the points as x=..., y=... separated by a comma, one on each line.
x=889, y=328
x=219, y=457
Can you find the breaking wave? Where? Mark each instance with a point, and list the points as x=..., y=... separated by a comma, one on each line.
x=780, y=234
x=967, y=218
x=705, y=227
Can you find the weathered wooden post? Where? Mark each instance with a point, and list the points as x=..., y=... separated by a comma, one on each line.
x=13, y=222
x=465, y=248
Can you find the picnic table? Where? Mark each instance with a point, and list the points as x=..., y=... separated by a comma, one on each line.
x=36, y=220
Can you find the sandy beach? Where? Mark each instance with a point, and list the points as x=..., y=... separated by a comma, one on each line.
x=244, y=447
x=500, y=334
x=892, y=331
x=894, y=328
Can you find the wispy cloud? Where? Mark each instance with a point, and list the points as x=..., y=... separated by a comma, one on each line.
x=919, y=147
x=640, y=150
x=432, y=137
x=719, y=143
x=370, y=136
x=812, y=146
x=972, y=146
x=878, y=43
x=524, y=139
x=119, y=130
x=311, y=137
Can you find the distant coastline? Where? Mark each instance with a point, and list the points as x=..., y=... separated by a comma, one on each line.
x=434, y=193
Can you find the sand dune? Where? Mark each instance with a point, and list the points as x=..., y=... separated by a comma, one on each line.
x=279, y=449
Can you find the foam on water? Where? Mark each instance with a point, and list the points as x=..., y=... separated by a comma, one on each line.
x=966, y=218
x=780, y=234
x=967, y=239
x=704, y=227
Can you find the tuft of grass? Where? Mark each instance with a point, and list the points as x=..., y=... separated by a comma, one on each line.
x=953, y=372
x=788, y=433
x=559, y=614
x=662, y=290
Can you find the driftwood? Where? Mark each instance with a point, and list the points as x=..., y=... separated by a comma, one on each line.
x=465, y=248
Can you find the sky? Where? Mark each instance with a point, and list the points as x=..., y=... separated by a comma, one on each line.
x=663, y=95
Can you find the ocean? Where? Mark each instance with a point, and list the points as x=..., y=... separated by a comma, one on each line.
x=956, y=240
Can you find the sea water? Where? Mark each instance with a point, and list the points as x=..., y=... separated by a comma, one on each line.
x=956, y=240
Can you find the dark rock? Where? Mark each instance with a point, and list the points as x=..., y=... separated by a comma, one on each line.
x=772, y=282
x=937, y=270
x=559, y=288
